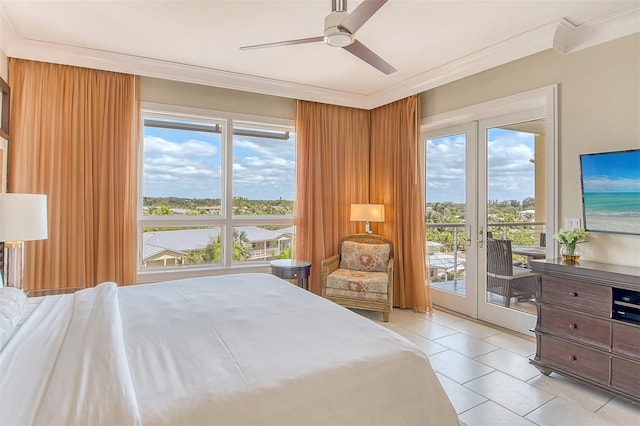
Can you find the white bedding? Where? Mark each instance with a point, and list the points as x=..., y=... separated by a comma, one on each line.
x=235, y=349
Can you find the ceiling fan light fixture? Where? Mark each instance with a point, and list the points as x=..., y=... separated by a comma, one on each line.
x=334, y=35
x=336, y=38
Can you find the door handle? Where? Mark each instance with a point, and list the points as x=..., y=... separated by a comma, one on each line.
x=469, y=236
x=481, y=237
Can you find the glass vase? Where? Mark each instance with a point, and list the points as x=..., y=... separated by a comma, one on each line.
x=570, y=253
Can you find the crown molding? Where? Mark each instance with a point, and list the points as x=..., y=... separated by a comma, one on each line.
x=560, y=35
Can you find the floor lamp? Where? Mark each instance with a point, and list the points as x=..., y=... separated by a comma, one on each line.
x=23, y=217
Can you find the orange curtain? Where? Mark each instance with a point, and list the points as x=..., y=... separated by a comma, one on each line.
x=75, y=137
x=333, y=168
x=397, y=181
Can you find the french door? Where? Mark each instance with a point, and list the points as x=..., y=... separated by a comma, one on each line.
x=451, y=200
x=490, y=177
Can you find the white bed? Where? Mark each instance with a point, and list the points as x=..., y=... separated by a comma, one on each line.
x=240, y=349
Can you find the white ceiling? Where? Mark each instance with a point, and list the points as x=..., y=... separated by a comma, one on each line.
x=429, y=42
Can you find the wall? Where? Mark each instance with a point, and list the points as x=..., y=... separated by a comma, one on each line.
x=598, y=110
x=214, y=98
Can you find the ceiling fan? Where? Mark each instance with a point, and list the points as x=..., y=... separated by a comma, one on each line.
x=340, y=27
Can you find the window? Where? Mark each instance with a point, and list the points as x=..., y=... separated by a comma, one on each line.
x=215, y=192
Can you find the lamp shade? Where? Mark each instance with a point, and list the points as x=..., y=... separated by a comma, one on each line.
x=367, y=212
x=23, y=217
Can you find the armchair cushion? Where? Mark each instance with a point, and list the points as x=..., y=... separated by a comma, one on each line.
x=358, y=284
x=365, y=257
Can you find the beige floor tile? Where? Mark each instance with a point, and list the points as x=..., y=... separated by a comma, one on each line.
x=503, y=375
x=474, y=329
x=514, y=344
x=466, y=345
x=458, y=367
x=428, y=329
x=511, y=363
x=621, y=411
x=491, y=414
x=511, y=393
x=429, y=347
x=561, y=412
x=441, y=317
x=586, y=396
x=462, y=398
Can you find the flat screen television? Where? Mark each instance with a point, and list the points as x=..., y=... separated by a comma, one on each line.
x=611, y=191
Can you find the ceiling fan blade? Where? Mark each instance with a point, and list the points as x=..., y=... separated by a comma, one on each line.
x=363, y=52
x=361, y=14
x=283, y=43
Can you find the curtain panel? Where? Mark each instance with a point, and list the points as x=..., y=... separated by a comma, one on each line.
x=75, y=138
x=346, y=155
x=332, y=172
x=396, y=180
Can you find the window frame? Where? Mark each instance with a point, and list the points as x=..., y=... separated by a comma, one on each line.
x=226, y=221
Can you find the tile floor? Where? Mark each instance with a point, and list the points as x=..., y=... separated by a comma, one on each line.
x=487, y=375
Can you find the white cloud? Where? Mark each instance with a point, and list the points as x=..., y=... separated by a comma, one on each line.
x=190, y=169
x=606, y=184
x=262, y=168
x=511, y=174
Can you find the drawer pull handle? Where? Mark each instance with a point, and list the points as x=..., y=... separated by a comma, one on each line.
x=572, y=358
x=573, y=294
x=573, y=326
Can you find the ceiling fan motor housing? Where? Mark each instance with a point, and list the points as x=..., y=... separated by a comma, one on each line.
x=334, y=35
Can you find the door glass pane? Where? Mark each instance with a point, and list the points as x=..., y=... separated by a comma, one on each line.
x=445, y=212
x=515, y=212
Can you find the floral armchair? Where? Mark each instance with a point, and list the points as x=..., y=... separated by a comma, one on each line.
x=361, y=274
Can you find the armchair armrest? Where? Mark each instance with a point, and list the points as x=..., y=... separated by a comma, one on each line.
x=328, y=266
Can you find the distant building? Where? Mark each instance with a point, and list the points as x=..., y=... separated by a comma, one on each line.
x=170, y=248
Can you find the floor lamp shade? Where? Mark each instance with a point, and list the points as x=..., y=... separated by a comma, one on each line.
x=23, y=217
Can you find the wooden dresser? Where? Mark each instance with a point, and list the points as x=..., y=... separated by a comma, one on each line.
x=588, y=324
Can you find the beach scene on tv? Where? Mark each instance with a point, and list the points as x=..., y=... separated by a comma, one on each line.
x=611, y=191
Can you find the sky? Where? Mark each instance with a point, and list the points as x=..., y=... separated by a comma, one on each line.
x=511, y=174
x=187, y=164
x=611, y=172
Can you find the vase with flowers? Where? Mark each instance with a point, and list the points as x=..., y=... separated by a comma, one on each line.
x=569, y=240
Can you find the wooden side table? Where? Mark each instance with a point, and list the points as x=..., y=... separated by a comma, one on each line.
x=292, y=269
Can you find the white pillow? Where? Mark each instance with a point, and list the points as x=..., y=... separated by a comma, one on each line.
x=12, y=304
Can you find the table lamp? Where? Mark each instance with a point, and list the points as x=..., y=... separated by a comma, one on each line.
x=23, y=217
x=367, y=213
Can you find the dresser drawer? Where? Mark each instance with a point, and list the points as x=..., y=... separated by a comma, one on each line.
x=587, y=363
x=626, y=340
x=595, y=299
x=625, y=376
x=574, y=326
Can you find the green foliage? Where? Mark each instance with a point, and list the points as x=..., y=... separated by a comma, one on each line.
x=506, y=211
x=166, y=206
x=571, y=237
x=284, y=254
x=212, y=253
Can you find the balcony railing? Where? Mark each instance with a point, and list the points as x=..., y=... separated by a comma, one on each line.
x=447, y=242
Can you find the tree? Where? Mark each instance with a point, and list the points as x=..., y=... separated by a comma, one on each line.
x=162, y=210
x=212, y=253
x=241, y=246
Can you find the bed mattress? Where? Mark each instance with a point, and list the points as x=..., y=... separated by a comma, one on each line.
x=245, y=349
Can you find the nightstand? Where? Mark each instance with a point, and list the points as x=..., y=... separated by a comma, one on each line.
x=292, y=269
